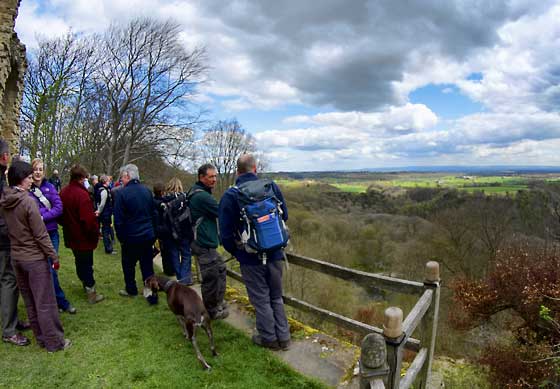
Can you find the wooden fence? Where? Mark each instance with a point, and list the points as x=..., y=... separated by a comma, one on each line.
x=382, y=349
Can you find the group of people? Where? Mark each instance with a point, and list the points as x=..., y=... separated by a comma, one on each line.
x=31, y=208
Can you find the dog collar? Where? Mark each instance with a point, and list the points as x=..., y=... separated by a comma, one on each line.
x=168, y=285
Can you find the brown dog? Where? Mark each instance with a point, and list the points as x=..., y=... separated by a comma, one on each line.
x=189, y=309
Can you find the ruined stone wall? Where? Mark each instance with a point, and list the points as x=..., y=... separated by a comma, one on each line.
x=12, y=71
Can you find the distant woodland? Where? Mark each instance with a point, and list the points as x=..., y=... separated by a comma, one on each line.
x=500, y=264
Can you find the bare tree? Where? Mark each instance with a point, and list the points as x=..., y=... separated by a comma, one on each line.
x=222, y=145
x=147, y=76
x=455, y=244
x=116, y=101
x=57, y=90
x=493, y=222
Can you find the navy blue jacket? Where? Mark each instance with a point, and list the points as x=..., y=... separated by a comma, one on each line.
x=107, y=213
x=134, y=213
x=231, y=225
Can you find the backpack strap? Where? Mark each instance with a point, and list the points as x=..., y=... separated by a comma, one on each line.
x=192, y=192
x=39, y=194
x=198, y=221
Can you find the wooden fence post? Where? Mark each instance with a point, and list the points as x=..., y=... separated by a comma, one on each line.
x=430, y=322
x=392, y=331
x=373, y=362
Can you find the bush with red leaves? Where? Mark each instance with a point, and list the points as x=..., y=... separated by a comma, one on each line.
x=524, y=279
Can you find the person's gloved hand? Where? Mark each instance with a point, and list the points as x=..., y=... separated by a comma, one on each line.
x=56, y=265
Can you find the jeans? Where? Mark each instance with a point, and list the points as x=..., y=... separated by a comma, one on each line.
x=108, y=235
x=61, y=300
x=132, y=253
x=179, y=255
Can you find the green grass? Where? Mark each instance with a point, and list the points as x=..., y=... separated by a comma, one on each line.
x=489, y=184
x=123, y=342
x=353, y=188
x=461, y=374
x=511, y=189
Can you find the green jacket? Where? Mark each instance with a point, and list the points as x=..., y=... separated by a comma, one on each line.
x=204, y=205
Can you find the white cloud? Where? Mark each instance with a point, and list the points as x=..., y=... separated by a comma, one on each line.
x=29, y=25
x=407, y=118
x=311, y=139
x=522, y=73
x=361, y=62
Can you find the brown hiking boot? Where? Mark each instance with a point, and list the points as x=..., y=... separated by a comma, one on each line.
x=92, y=295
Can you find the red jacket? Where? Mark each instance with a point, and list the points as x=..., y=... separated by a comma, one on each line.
x=81, y=231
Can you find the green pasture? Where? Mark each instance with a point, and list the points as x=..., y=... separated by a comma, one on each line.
x=353, y=188
x=469, y=183
x=510, y=189
x=123, y=342
x=486, y=184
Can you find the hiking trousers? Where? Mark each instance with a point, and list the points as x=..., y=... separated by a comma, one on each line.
x=166, y=263
x=8, y=294
x=36, y=287
x=213, y=272
x=131, y=253
x=264, y=287
x=84, y=267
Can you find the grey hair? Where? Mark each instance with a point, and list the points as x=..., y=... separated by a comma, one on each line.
x=131, y=170
x=246, y=163
x=104, y=178
x=94, y=177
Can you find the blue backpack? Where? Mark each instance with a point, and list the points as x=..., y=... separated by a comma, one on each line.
x=261, y=212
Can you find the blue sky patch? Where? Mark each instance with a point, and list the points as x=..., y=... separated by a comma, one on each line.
x=445, y=100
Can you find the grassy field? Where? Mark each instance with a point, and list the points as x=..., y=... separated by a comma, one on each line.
x=488, y=184
x=123, y=342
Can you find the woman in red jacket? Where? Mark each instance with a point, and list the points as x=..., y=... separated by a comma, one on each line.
x=81, y=230
x=31, y=248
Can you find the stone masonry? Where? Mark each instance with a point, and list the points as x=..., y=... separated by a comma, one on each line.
x=12, y=70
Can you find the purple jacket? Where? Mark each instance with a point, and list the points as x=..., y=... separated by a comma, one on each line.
x=50, y=216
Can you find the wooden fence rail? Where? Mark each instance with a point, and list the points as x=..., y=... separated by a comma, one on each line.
x=382, y=349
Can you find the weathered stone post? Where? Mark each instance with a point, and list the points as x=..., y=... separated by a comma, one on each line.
x=394, y=340
x=432, y=281
x=373, y=362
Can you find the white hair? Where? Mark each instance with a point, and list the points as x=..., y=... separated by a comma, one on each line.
x=131, y=170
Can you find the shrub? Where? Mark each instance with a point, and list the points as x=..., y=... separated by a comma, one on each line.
x=523, y=280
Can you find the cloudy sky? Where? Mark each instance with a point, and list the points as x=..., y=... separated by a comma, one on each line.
x=334, y=84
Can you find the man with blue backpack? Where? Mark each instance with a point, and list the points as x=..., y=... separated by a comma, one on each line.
x=252, y=220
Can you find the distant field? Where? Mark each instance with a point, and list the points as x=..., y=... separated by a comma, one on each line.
x=353, y=188
x=487, y=184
